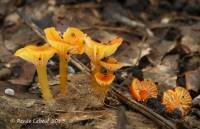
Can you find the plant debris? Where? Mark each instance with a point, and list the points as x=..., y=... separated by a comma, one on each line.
x=161, y=43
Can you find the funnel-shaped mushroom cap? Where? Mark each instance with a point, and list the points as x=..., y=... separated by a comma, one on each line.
x=76, y=37
x=151, y=88
x=135, y=88
x=71, y=41
x=104, y=79
x=96, y=51
x=38, y=55
x=178, y=98
x=143, y=90
x=111, y=64
x=112, y=46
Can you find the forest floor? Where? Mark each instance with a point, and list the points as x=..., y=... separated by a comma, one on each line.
x=161, y=41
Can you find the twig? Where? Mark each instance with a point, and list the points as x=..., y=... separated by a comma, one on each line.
x=132, y=23
x=32, y=25
x=127, y=21
x=144, y=110
x=83, y=6
x=80, y=65
x=122, y=120
x=110, y=28
x=133, y=104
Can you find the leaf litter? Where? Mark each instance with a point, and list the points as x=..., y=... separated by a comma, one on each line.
x=172, y=51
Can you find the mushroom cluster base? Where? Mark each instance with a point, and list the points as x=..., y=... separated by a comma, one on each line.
x=79, y=108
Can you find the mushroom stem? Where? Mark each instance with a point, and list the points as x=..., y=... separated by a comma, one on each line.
x=94, y=84
x=63, y=74
x=43, y=80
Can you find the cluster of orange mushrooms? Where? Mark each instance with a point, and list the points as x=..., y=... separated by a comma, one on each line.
x=176, y=98
x=103, y=66
x=72, y=41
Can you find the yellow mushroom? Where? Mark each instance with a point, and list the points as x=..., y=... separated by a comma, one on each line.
x=39, y=56
x=96, y=51
x=111, y=64
x=177, y=98
x=71, y=42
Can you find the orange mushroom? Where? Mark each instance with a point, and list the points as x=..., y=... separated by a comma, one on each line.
x=104, y=80
x=39, y=56
x=177, y=98
x=71, y=42
x=97, y=51
x=143, y=90
x=134, y=88
x=111, y=64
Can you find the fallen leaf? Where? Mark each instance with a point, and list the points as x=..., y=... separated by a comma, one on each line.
x=101, y=35
x=192, y=63
x=26, y=74
x=193, y=80
x=196, y=101
x=159, y=49
x=133, y=52
x=163, y=75
x=191, y=37
x=19, y=38
x=5, y=73
x=73, y=117
x=5, y=55
x=171, y=61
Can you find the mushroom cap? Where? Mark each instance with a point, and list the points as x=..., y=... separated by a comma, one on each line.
x=71, y=41
x=135, y=88
x=75, y=37
x=96, y=51
x=112, y=46
x=111, y=64
x=151, y=87
x=38, y=55
x=143, y=90
x=177, y=98
x=104, y=79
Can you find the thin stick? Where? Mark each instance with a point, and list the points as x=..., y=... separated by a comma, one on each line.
x=144, y=110
x=133, y=104
x=132, y=23
x=32, y=25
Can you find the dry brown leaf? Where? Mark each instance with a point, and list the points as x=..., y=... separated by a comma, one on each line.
x=19, y=38
x=193, y=80
x=78, y=116
x=171, y=61
x=133, y=52
x=196, y=101
x=162, y=74
x=191, y=37
x=26, y=74
x=159, y=49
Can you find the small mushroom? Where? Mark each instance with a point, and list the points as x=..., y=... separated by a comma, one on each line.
x=134, y=88
x=177, y=98
x=71, y=42
x=97, y=51
x=104, y=80
x=111, y=64
x=39, y=56
x=143, y=90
